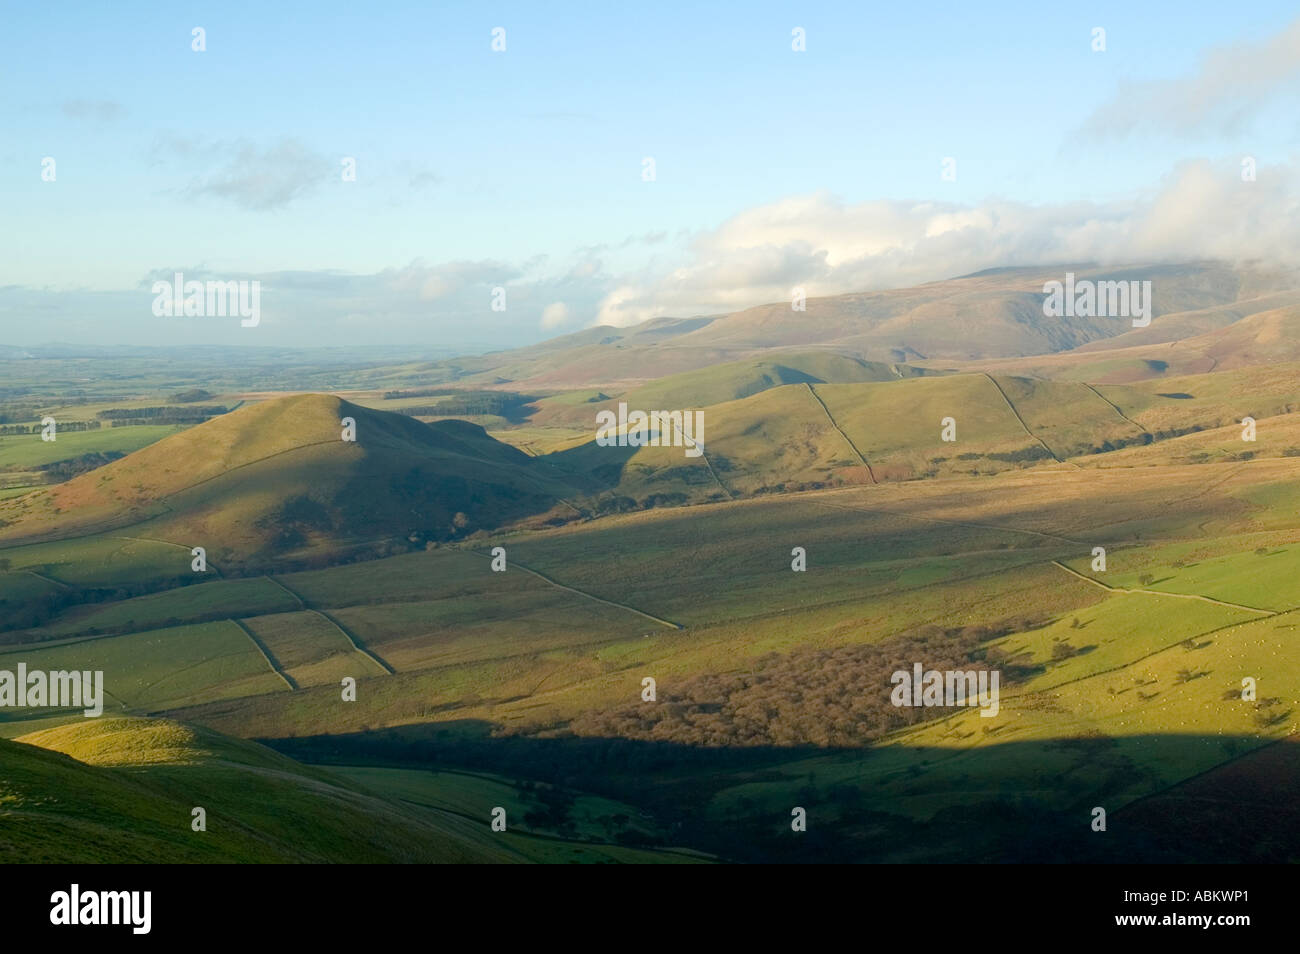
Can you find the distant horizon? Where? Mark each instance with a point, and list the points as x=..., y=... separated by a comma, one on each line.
x=433, y=352
x=415, y=178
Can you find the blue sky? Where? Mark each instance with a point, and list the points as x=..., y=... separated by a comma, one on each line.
x=523, y=168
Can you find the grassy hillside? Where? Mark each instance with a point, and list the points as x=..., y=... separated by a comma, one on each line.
x=27, y=451
x=122, y=790
x=740, y=379
x=812, y=436
x=880, y=563
x=276, y=477
x=827, y=535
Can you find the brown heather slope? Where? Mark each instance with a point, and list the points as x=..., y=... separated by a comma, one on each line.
x=1263, y=331
x=988, y=316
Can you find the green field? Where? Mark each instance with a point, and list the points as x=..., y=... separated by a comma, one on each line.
x=28, y=451
x=478, y=687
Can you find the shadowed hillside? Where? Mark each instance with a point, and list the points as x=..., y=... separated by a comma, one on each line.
x=122, y=790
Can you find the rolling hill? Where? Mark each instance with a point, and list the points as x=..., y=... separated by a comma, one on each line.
x=522, y=687
x=277, y=477
x=122, y=790
x=987, y=316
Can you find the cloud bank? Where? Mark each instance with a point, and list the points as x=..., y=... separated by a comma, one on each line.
x=819, y=242
x=1202, y=210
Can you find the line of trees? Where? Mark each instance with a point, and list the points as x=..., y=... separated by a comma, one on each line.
x=6, y=429
x=16, y=413
x=62, y=470
x=500, y=403
x=162, y=415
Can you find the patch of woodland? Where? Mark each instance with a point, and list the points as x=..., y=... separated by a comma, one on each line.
x=828, y=698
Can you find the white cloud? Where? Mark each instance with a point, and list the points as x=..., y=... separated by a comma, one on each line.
x=629, y=305
x=262, y=179
x=265, y=177
x=555, y=315
x=1201, y=210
